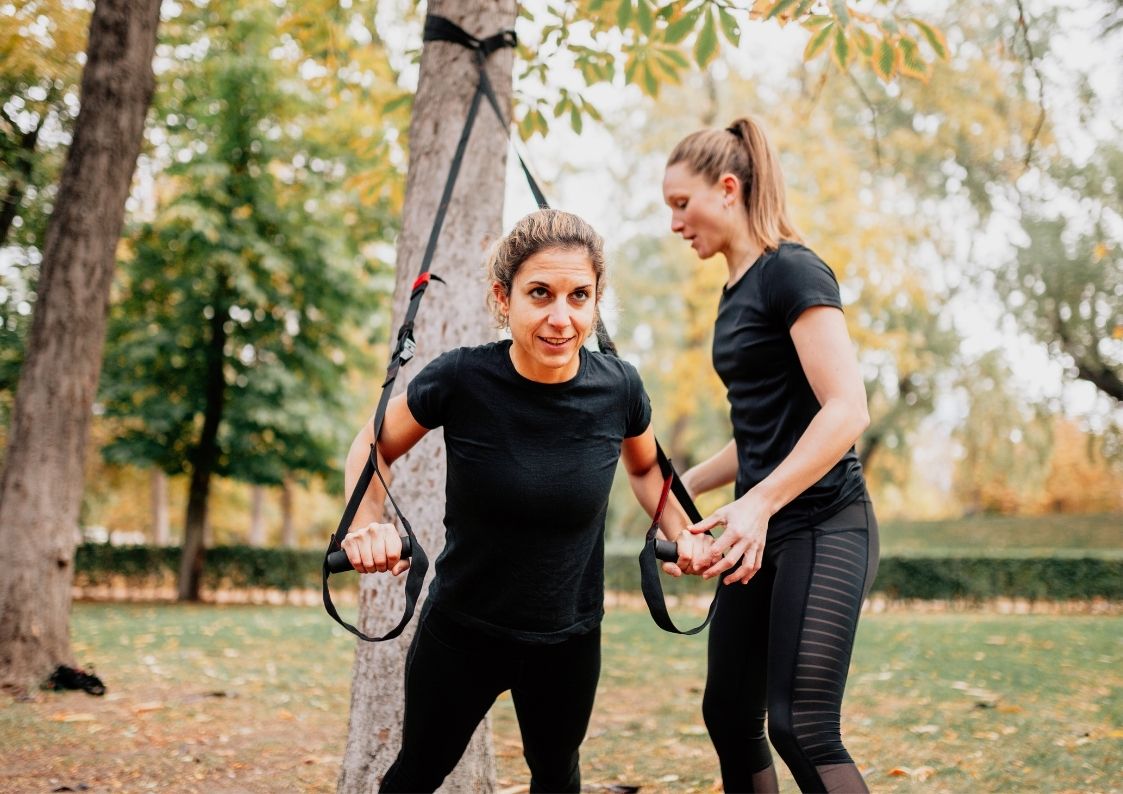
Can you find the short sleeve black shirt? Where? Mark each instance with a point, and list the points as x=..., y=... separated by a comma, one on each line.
x=771, y=401
x=530, y=466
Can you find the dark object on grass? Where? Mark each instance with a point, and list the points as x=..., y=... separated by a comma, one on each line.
x=72, y=678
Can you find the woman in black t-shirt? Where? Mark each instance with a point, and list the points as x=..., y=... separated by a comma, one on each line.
x=801, y=537
x=533, y=429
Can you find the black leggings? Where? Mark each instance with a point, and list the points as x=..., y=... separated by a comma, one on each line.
x=780, y=645
x=454, y=674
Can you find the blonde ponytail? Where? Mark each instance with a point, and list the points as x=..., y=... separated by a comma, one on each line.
x=742, y=149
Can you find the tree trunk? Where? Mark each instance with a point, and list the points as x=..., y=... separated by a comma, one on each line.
x=257, y=518
x=288, y=528
x=161, y=532
x=204, y=456
x=41, y=487
x=452, y=314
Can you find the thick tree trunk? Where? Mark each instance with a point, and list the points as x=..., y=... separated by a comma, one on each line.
x=257, y=516
x=161, y=531
x=288, y=527
x=42, y=482
x=452, y=314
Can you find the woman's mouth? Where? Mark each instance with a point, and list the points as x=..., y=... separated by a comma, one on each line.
x=556, y=341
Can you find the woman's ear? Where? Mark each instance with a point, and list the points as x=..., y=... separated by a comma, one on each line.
x=730, y=187
x=502, y=299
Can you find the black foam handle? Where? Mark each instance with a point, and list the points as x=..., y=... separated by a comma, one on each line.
x=666, y=550
x=338, y=562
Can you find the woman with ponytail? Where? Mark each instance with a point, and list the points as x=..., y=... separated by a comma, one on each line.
x=799, y=547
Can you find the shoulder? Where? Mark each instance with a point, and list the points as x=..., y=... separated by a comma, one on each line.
x=795, y=260
x=612, y=367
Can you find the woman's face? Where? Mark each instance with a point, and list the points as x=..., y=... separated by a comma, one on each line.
x=551, y=309
x=700, y=211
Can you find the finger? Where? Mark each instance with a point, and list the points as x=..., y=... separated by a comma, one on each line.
x=706, y=524
x=719, y=567
x=393, y=549
x=400, y=567
x=366, y=553
x=672, y=569
x=352, y=551
x=750, y=564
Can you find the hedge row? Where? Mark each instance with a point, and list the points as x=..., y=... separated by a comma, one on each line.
x=1052, y=578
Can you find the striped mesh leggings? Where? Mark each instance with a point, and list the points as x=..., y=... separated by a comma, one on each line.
x=780, y=646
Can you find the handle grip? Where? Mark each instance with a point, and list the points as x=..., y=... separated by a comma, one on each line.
x=666, y=550
x=338, y=562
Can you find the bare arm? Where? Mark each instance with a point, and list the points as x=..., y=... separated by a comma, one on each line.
x=371, y=543
x=717, y=470
x=646, y=479
x=831, y=366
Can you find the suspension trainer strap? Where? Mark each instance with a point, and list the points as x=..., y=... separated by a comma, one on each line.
x=436, y=29
x=650, y=581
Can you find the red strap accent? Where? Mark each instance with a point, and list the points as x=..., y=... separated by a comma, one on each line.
x=422, y=279
x=662, y=501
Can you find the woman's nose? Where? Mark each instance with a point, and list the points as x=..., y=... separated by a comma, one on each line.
x=559, y=314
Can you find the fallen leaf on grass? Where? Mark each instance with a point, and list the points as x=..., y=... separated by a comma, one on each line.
x=925, y=729
x=78, y=717
x=921, y=773
x=143, y=708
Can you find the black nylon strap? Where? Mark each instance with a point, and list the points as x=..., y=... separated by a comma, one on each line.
x=650, y=582
x=436, y=28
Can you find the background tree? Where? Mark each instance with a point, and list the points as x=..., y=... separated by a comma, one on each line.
x=236, y=314
x=41, y=486
x=40, y=48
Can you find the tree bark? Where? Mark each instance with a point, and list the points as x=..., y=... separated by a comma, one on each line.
x=288, y=528
x=161, y=531
x=452, y=314
x=257, y=518
x=41, y=487
x=205, y=455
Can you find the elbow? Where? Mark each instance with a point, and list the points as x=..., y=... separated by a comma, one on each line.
x=860, y=417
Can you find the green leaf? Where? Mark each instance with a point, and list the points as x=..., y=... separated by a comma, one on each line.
x=817, y=20
x=841, y=12
x=683, y=26
x=817, y=42
x=624, y=14
x=863, y=41
x=650, y=84
x=912, y=63
x=803, y=8
x=397, y=102
x=644, y=17
x=729, y=26
x=780, y=8
x=885, y=60
x=841, y=50
x=705, y=48
x=934, y=37
x=575, y=119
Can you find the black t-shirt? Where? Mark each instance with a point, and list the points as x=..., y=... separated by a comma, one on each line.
x=771, y=402
x=530, y=466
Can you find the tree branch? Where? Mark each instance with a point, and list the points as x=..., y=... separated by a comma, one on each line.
x=1023, y=26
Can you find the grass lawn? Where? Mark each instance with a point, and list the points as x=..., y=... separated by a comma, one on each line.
x=255, y=699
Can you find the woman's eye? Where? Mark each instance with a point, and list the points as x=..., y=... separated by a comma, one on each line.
x=680, y=205
x=538, y=292
x=580, y=295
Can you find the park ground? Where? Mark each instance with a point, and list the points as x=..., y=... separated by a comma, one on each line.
x=255, y=699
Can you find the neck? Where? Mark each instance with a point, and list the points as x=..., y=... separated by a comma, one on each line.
x=741, y=255
x=530, y=369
